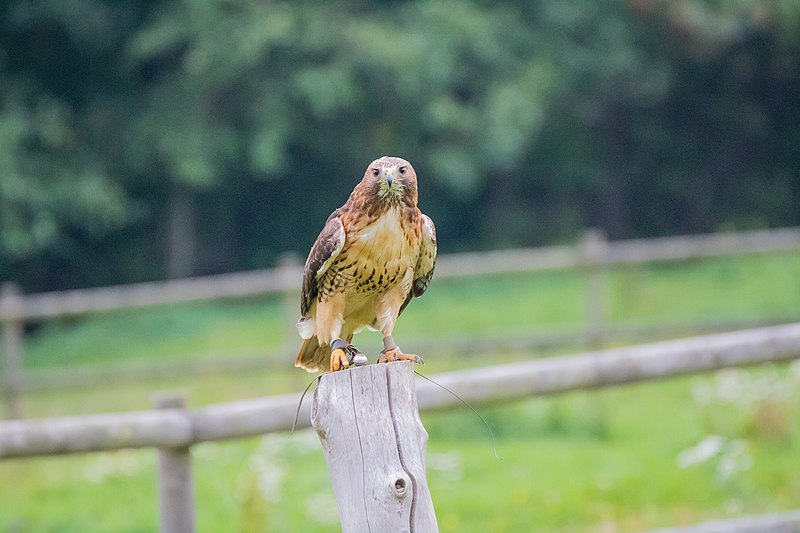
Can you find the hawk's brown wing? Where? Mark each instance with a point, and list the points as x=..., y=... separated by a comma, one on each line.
x=326, y=248
x=423, y=272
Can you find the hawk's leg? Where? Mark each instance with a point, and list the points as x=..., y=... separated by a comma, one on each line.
x=391, y=352
x=344, y=354
x=329, y=331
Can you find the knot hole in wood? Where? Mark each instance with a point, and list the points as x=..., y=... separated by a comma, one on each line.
x=400, y=485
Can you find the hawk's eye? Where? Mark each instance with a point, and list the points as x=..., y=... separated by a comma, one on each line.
x=375, y=172
x=402, y=170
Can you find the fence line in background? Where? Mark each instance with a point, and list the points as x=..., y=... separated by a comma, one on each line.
x=787, y=522
x=174, y=428
x=619, y=252
x=230, y=364
x=592, y=253
x=175, y=486
x=287, y=277
x=13, y=331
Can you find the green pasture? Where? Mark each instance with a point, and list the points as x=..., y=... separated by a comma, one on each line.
x=616, y=460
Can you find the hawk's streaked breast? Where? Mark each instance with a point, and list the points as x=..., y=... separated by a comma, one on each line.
x=378, y=256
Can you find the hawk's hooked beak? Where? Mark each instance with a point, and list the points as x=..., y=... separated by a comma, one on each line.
x=389, y=177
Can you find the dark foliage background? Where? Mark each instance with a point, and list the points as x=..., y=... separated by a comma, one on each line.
x=156, y=138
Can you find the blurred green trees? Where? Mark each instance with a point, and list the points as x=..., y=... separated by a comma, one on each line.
x=151, y=138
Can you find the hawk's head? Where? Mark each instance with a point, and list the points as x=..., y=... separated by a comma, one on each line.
x=392, y=180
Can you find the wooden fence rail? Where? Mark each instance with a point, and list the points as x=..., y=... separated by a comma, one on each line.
x=787, y=522
x=178, y=427
x=592, y=253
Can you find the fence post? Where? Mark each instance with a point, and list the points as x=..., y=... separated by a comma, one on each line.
x=594, y=253
x=373, y=408
x=10, y=308
x=175, y=487
x=289, y=265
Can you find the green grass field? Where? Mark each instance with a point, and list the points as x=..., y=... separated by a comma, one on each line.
x=617, y=460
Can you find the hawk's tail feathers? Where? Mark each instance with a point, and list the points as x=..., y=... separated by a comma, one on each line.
x=312, y=356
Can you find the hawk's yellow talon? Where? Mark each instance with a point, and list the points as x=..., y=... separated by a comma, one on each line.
x=339, y=360
x=394, y=354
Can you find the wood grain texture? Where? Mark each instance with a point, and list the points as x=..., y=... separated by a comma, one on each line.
x=374, y=443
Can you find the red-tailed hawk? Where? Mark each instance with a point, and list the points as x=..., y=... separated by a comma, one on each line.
x=375, y=253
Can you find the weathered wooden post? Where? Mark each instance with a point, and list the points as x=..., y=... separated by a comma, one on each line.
x=594, y=251
x=374, y=443
x=175, y=487
x=10, y=309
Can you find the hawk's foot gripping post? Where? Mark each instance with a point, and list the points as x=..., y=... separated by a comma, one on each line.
x=391, y=353
x=344, y=354
x=390, y=356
